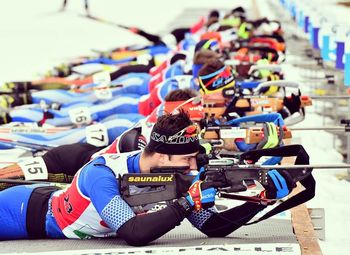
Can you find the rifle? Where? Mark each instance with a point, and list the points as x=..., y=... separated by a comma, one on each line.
x=215, y=105
x=250, y=135
x=226, y=176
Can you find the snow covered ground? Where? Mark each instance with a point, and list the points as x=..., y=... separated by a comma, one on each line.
x=35, y=37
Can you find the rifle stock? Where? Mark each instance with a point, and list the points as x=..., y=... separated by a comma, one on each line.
x=250, y=135
x=305, y=101
x=214, y=106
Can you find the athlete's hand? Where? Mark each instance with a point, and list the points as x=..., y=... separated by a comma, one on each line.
x=200, y=196
x=280, y=184
x=271, y=139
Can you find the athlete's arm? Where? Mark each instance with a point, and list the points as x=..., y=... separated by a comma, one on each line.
x=214, y=224
x=98, y=182
x=68, y=159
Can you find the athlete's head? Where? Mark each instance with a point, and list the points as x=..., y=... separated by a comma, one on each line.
x=214, y=76
x=213, y=17
x=187, y=100
x=173, y=142
x=201, y=57
x=214, y=14
x=208, y=44
x=180, y=95
x=239, y=12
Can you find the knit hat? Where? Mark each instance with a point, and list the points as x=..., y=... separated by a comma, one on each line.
x=209, y=44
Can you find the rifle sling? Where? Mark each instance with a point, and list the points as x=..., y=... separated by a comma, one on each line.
x=301, y=197
x=309, y=182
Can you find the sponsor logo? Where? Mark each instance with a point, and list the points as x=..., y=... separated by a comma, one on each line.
x=196, y=108
x=151, y=178
x=207, y=196
x=222, y=81
x=255, y=102
x=175, y=139
x=27, y=130
x=67, y=205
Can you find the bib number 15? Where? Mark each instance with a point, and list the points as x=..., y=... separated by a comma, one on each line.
x=34, y=169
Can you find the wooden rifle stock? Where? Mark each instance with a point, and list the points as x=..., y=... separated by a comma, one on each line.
x=252, y=134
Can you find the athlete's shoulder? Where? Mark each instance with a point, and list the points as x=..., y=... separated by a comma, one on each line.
x=116, y=162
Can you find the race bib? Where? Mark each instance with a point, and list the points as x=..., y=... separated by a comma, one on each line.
x=102, y=81
x=80, y=115
x=103, y=93
x=34, y=169
x=97, y=135
x=102, y=78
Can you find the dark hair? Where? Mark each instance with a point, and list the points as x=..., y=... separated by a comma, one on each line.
x=214, y=13
x=210, y=67
x=224, y=28
x=148, y=152
x=203, y=56
x=211, y=21
x=239, y=12
x=170, y=124
x=180, y=95
x=238, y=9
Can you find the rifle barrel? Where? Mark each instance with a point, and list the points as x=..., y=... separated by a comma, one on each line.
x=335, y=128
x=317, y=166
x=330, y=97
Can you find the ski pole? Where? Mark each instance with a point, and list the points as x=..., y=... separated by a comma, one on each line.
x=79, y=90
x=26, y=145
x=32, y=129
x=16, y=146
x=105, y=21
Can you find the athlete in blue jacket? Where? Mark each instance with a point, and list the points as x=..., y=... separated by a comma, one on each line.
x=92, y=206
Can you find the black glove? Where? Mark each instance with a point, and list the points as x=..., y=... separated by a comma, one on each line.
x=292, y=103
x=280, y=184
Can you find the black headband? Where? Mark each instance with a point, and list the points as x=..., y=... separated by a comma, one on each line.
x=182, y=142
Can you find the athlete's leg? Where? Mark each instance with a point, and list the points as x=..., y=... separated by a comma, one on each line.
x=13, y=212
